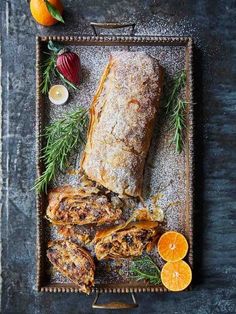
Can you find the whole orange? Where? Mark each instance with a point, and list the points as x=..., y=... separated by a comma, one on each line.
x=40, y=11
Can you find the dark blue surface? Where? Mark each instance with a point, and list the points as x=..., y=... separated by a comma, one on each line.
x=212, y=24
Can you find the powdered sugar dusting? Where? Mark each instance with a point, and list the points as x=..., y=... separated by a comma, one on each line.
x=123, y=117
x=164, y=169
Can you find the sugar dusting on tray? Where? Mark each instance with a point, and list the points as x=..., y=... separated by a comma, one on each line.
x=164, y=171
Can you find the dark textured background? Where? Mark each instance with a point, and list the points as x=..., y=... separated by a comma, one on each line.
x=212, y=24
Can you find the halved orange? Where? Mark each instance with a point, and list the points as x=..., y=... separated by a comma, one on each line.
x=172, y=246
x=176, y=276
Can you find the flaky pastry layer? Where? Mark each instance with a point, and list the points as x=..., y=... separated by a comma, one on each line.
x=121, y=122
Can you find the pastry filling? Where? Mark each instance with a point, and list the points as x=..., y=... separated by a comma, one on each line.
x=75, y=206
x=74, y=263
x=124, y=243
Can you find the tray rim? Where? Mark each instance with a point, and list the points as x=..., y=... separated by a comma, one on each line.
x=113, y=41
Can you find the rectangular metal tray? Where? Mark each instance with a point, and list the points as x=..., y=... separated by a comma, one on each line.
x=161, y=47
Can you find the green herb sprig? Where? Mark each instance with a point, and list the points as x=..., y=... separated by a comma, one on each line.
x=175, y=108
x=145, y=268
x=62, y=137
x=48, y=71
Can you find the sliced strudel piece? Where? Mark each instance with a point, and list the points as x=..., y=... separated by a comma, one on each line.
x=73, y=262
x=125, y=241
x=71, y=205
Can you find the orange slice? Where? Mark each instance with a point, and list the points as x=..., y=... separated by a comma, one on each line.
x=172, y=246
x=176, y=276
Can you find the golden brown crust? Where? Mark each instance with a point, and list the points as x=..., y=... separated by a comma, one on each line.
x=93, y=117
x=74, y=262
x=138, y=225
x=121, y=122
x=126, y=240
x=71, y=205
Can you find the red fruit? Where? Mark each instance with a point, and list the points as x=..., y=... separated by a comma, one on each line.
x=68, y=64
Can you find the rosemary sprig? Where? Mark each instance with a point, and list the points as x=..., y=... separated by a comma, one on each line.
x=144, y=268
x=178, y=124
x=48, y=70
x=175, y=108
x=61, y=137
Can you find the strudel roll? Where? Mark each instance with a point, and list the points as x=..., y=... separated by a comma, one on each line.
x=121, y=122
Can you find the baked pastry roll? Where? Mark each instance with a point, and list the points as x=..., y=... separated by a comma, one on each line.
x=73, y=262
x=71, y=205
x=125, y=241
x=121, y=122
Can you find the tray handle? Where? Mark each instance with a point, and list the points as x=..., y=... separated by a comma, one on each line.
x=95, y=25
x=114, y=305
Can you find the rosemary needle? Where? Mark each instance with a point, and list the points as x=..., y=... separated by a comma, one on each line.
x=178, y=124
x=64, y=80
x=61, y=137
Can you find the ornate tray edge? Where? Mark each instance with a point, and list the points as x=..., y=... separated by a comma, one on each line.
x=185, y=41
